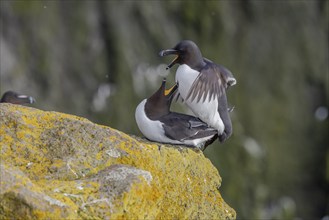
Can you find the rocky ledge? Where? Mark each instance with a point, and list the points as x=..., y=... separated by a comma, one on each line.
x=55, y=165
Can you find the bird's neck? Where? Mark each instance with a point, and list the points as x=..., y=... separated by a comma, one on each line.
x=156, y=108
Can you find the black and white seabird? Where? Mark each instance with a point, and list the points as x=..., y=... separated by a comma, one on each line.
x=15, y=98
x=202, y=86
x=158, y=123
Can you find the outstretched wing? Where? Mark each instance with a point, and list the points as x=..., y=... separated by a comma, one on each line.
x=209, y=83
x=227, y=76
x=212, y=81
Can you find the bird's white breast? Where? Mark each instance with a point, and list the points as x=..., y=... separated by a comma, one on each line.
x=207, y=111
x=152, y=130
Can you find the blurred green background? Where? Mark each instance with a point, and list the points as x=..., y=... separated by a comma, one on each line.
x=99, y=59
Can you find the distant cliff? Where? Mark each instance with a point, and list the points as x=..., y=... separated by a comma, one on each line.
x=56, y=165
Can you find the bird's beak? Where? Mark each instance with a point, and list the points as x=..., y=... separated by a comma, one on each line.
x=170, y=52
x=171, y=91
x=168, y=92
x=26, y=99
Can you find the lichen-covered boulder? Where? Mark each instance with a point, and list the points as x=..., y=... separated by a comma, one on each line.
x=55, y=165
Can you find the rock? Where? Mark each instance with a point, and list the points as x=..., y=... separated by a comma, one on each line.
x=55, y=165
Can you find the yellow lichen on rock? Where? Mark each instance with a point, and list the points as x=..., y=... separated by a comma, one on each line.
x=55, y=165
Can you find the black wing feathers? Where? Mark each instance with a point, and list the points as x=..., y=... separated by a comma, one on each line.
x=184, y=127
x=208, y=83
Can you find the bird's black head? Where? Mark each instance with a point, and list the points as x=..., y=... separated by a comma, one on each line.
x=187, y=52
x=14, y=98
x=159, y=103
